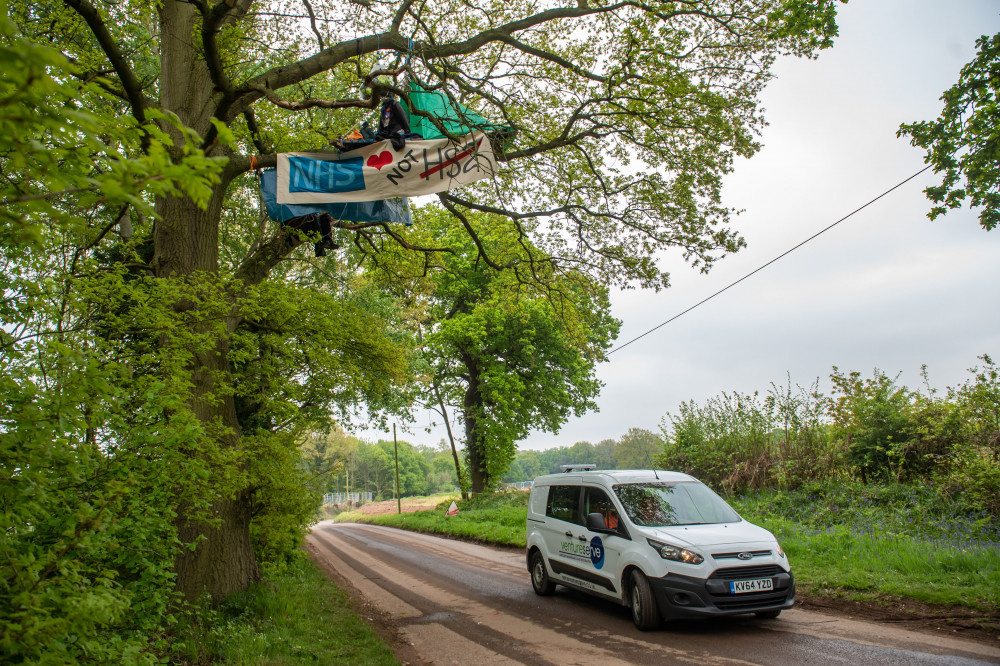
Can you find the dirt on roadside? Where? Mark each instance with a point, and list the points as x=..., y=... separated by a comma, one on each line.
x=408, y=506
x=955, y=621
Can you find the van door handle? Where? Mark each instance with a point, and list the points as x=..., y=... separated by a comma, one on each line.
x=569, y=534
x=582, y=537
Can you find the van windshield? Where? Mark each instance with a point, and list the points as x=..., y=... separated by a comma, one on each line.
x=663, y=504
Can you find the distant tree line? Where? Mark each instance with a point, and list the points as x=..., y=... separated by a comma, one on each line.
x=348, y=464
x=636, y=449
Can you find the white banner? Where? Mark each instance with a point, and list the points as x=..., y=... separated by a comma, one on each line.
x=380, y=172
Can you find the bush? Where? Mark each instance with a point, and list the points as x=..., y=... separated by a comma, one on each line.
x=285, y=500
x=739, y=442
x=875, y=419
x=872, y=430
x=87, y=515
x=979, y=400
x=974, y=476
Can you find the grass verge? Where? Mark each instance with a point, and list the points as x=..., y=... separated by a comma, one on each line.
x=869, y=541
x=496, y=519
x=295, y=618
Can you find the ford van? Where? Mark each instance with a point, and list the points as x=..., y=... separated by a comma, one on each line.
x=661, y=543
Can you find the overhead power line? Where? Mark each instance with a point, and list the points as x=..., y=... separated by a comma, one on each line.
x=783, y=254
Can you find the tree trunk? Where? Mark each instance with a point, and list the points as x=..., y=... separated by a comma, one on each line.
x=224, y=561
x=478, y=473
x=187, y=245
x=451, y=440
x=186, y=242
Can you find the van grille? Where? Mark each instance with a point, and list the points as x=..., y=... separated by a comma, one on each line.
x=744, y=573
x=735, y=555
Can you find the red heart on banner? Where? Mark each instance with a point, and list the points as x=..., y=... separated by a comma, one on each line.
x=380, y=160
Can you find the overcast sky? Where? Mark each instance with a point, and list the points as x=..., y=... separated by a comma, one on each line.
x=885, y=289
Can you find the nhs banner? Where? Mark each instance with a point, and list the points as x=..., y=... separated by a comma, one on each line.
x=380, y=210
x=380, y=172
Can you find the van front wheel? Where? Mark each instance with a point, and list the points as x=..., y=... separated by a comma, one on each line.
x=644, y=611
x=540, y=576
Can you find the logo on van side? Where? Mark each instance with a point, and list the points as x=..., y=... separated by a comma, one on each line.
x=597, y=552
x=594, y=550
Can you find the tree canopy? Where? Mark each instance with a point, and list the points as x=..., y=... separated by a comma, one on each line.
x=507, y=355
x=637, y=449
x=963, y=144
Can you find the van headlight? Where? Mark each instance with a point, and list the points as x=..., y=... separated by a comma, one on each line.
x=781, y=553
x=675, y=553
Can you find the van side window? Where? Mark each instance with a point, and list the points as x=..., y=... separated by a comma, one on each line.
x=564, y=503
x=596, y=500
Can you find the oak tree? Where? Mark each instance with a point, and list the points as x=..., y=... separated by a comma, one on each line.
x=628, y=114
x=506, y=355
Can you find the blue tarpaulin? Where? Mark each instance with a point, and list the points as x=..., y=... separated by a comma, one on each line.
x=381, y=210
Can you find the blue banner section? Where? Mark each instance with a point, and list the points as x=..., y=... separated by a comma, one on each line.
x=309, y=175
x=381, y=210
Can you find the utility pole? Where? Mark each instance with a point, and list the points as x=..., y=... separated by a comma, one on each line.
x=395, y=444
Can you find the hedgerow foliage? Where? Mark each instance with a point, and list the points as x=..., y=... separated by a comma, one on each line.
x=92, y=444
x=100, y=450
x=870, y=430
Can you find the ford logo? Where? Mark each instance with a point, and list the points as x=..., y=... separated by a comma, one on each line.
x=745, y=556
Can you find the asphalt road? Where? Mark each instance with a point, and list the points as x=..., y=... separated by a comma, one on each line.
x=459, y=603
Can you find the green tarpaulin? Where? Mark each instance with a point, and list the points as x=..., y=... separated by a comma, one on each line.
x=456, y=118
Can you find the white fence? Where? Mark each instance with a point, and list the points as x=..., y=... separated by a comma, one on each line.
x=343, y=498
x=520, y=485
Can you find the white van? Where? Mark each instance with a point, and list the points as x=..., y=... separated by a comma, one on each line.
x=659, y=542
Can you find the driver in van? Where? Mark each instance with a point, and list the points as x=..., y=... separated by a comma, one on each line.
x=605, y=508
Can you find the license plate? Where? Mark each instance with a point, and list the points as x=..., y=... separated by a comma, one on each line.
x=757, y=585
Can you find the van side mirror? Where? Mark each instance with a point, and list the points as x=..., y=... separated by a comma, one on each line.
x=596, y=523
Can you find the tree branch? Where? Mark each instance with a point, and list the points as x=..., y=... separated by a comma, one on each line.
x=397, y=20
x=255, y=136
x=259, y=263
x=133, y=90
x=286, y=75
x=312, y=22
x=473, y=235
x=551, y=57
x=212, y=21
x=312, y=102
x=213, y=18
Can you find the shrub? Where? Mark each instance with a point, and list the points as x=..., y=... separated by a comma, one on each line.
x=973, y=475
x=738, y=442
x=872, y=429
x=874, y=417
x=979, y=400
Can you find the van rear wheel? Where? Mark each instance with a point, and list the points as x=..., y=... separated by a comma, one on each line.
x=540, y=580
x=644, y=611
